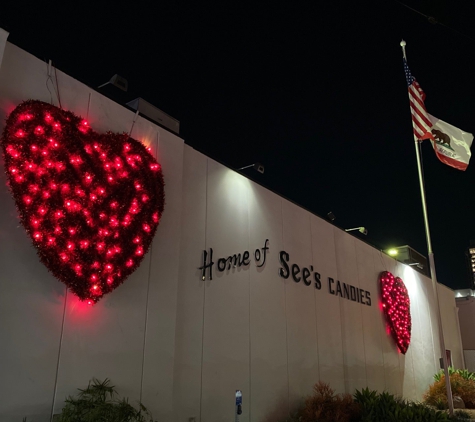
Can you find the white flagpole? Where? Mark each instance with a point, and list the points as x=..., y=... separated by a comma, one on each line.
x=432, y=266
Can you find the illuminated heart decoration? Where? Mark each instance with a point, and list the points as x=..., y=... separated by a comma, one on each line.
x=90, y=202
x=396, y=306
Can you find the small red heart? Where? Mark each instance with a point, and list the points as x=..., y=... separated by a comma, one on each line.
x=396, y=306
x=90, y=202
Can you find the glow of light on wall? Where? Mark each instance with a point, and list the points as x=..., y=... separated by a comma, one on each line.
x=411, y=281
x=234, y=188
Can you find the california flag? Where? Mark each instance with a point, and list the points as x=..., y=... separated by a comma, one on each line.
x=451, y=145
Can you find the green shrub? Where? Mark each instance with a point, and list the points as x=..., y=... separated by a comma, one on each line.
x=386, y=407
x=461, y=415
x=464, y=373
x=100, y=402
x=436, y=395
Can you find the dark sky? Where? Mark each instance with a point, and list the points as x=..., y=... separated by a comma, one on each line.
x=314, y=90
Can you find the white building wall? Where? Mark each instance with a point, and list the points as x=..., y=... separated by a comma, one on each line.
x=466, y=315
x=466, y=307
x=53, y=344
x=184, y=345
x=298, y=334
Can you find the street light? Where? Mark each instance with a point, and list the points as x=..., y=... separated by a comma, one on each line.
x=256, y=166
x=360, y=229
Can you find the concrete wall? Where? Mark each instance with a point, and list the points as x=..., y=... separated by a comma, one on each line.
x=273, y=338
x=51, y=343
x=466, y=307
x=184, y=345
x=466, y=314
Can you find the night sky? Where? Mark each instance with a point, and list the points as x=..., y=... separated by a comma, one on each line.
x=315, y=91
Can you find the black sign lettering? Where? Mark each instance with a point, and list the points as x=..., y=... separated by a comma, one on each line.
x=361, y=296
x=221, y=264
x=295, y=273
x=284, y=258
x=346, y=291
x=207, y=265
x=264, y=253
x=234, y=260
x=330, y=281
x=306, y=275
x=338, y=289
x=318, y=282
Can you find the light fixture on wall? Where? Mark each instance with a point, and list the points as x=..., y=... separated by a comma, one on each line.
x=360, y=229
x=117, y=81
x=256, y=166
x=409, y=256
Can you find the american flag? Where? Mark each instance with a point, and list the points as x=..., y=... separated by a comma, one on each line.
x=420, y=120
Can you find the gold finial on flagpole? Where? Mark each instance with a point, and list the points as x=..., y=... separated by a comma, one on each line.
x=403, y=46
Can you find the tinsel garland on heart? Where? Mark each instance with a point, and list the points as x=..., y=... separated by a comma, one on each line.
x=90, y=202
x=397, y=308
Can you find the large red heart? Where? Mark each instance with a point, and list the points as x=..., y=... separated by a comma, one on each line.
x=90, y=202
x=396, y=306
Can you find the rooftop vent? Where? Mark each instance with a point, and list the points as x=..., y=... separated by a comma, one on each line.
x=155, y=114
x=117, y=81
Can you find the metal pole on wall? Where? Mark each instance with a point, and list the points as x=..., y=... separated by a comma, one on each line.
x=432, y=266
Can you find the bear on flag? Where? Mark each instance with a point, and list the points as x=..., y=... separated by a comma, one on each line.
x=451, y=145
